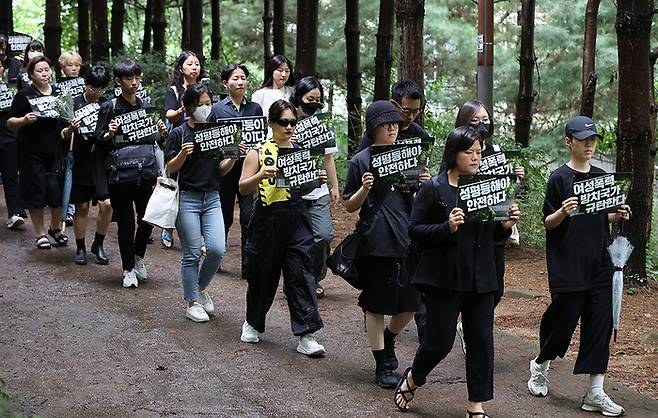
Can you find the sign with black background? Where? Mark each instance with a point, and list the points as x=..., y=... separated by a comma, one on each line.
x=217, y=140
x=141, y=93
x=600, y=192
x=399, y=163
x=486, y=197
x=498, y=162
x=6, y=97
x=44, y=106
x=252, y=132
x=88, y=115
x=18, y=42
x=136, y=126
x=74, y=86
x=313, y=132
x=298, y=167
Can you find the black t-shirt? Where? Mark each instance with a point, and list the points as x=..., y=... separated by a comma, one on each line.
x=107, y=112
x=226, y=109
x=83, y=163
x=12, y=68
x=197, y=174
x=389, y=236
x=42, y=136
x=576, y=251
x=413, y=131
x=172, y=102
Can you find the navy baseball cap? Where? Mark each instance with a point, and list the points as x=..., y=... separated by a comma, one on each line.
x=581, y=128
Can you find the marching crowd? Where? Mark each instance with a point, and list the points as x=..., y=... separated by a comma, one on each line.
x=421, y=256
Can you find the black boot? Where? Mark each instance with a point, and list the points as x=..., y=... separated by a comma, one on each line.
x=80, y=257
x=99, y=252
x=389, y=349
x=384, y=376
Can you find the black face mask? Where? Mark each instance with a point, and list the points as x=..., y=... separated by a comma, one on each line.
x=310, y=108
x=482, y=129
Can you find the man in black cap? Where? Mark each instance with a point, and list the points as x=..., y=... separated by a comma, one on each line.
x=579, y=276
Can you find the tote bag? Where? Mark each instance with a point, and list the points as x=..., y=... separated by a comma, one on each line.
x=162, y=208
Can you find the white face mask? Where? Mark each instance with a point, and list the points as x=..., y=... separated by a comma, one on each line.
x=201, y=113
x=34, y=54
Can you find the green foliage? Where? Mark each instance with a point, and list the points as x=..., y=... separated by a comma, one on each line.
x=7, y=408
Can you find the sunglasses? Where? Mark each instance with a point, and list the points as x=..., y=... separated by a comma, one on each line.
x=285, y=122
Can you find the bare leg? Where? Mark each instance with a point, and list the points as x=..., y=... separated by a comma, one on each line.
x=37, y=220
x=399, y=321
x=80, y=224
x=375, y=330
x=104, y=216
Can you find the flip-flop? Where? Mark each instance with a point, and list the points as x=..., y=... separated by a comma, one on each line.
x=43, y=243
x=407, y=395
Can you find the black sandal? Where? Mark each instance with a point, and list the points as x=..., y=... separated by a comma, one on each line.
x=43, y=243
x=407, y=395
x=56, y=234
x=477, y=414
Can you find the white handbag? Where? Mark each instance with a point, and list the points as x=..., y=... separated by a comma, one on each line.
x=162, y=208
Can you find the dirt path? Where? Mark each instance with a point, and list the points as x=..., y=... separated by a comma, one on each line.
x=74, y=343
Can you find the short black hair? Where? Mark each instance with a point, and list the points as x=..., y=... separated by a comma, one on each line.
x=303, y=86
x=126, y=68
x=192, y=95
x=459, y=139
x=406, y=88
x=3, y=40
x=97, y=76
x=228, y=70
x=278, y=108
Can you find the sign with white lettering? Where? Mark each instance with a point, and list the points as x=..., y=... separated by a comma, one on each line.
x=136, y=126
x=252, y=129
x=217, y=140
x=600, y=192
x=486, y=198
x=74, y=86
x=312, y=132
x=6, y=97
x=400, y=163
x=298, y=167
x=88, y=115
x=18, y=42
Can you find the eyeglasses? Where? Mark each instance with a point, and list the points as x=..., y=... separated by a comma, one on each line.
x=285, y=122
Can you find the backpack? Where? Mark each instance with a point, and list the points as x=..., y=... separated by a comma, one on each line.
x=132, y=164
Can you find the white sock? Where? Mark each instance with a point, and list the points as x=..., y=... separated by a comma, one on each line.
x=543, y=366
x=596, y=383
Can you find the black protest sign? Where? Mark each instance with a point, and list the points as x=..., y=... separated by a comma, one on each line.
x=252, y=132
x=498, y=161
x=398, y=163
x=88, y=116
x=44, y=106
x=18, y=42
x=298, y=167
x=73, y=86
x=486, y=198
x=600, y=192
x=135, y=126
x=141, y=93
x=217, y=140
x=313, y=132
x=6, y=97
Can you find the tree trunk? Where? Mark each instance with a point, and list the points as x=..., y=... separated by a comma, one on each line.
x=83, y=30
x=352, y=47
x=6, y=16
x=216, y=34
x=116, y=26
x=526, y=69
x=148, y=21
x=409, y=15
x=196, y=27
x=278, y=35
x=158, y=24
x=653, y=106
x=99, y=43
x=267, y=35
x=589, y=55
x=185, y=26
x=634, y=139
x=384, y=56
x=52, y=33
x=307, y=37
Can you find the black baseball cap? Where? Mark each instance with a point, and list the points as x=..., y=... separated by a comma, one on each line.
x=581, y=128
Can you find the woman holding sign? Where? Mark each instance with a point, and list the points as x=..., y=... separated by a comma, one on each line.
x=279, y=239
x=382, y=265
x=200, y=211
x=40, y=153
x=456, y=273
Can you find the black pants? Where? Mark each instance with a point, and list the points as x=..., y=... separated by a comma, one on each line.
x=9, y=171
x=131, y=242
x=499, y=259
x=280, y=241
x=440, y=328
x=594, y=308
x=228, y=191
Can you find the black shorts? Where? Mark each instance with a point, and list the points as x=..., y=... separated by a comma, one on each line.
x=39, y=186
x=83, y=193
x=387, y=286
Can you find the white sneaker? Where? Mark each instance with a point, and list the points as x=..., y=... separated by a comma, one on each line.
x=460, y=334
x=196, y=313
x=538, y=382
x=309, y=346
x=129, y=278
x=205, y=301
x=15, y=221
x=602, y=403
x=140, y=268
x=249, y=334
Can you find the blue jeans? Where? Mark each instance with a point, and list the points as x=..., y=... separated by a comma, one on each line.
x=199, y=214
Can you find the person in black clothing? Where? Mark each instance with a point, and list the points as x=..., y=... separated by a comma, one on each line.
x=9, y=70
x=32, y=50
x=456, y=273
x=39, y=153
x=132, y=242
x=87, y=185
x=408, y=99
x=579, y=276
x=382, y=264
x=235, y=78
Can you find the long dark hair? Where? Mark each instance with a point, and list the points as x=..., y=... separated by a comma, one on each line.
x=193, y=94
x=466, y=112
x=303, y=86
x=177, y=75
x=272, y=65
x=459, y=139
x=278, y=108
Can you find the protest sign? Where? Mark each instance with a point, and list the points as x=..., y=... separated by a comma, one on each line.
x=487, y=197
x=135, y=126
x=252, y=129
x=217, y=140
x=74, y=86
x=498, y=161
x=400, y=163
x=298, y=167
x=44, y=106
x=88, y=115
x=312, y=132
x=142, y=93
x=18, y=42
x=600, y=192
x=6, y=97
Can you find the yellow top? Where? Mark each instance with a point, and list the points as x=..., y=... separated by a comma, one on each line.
x=268, y=193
